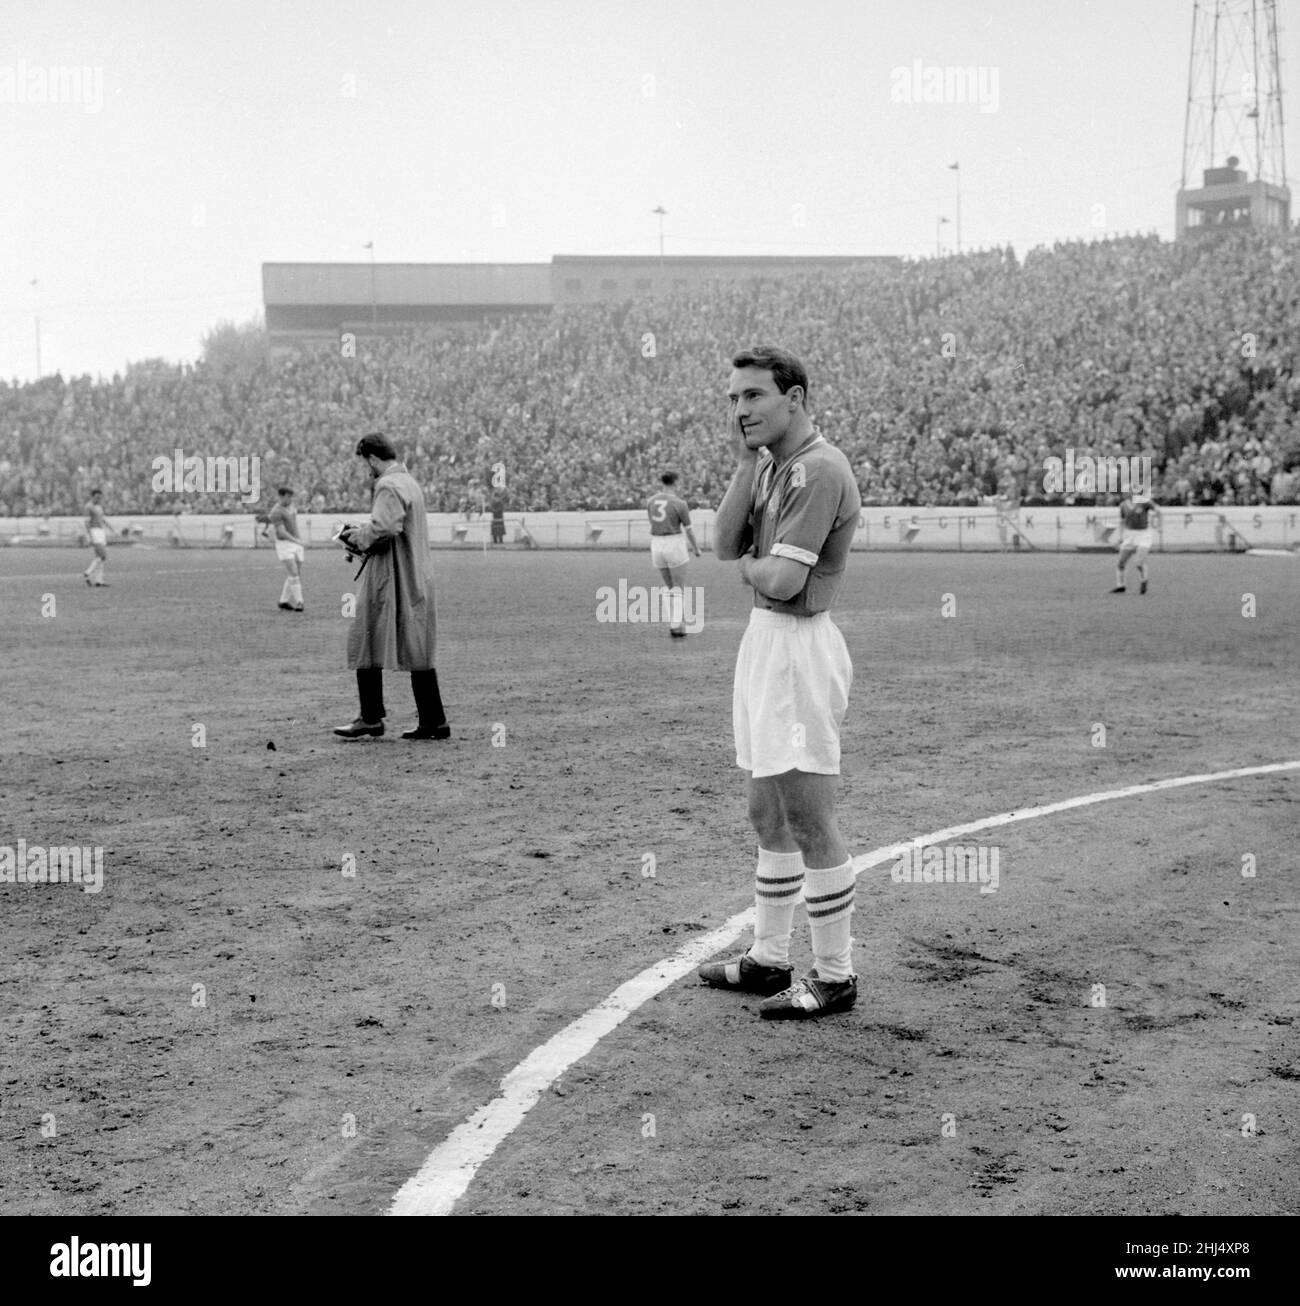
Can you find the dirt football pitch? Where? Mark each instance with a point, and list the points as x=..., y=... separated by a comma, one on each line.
x=312, y=960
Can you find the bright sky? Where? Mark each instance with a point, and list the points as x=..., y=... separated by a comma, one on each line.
x=205, y=139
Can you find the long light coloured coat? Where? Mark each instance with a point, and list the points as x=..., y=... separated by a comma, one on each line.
x=395, y=625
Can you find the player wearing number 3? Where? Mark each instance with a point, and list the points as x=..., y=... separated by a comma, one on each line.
x=789, y=515
x=283, y=518
x=670, y=529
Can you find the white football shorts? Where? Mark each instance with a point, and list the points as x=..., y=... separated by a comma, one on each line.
x=1139, y=540
x=98, y=535
x=669, y=550
x=793, y=676
x=288, y=551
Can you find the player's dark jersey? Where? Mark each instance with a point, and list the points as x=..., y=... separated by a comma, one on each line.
x=668, y=514
x=806, y=509
x=285, y=521
x=1136, y=516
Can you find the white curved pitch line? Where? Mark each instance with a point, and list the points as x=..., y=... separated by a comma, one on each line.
x=450, y=1168
x=889, y=854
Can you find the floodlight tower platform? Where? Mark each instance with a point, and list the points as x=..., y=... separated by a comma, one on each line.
x=1234, y=110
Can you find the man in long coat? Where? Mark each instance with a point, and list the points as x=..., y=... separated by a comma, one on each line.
x=395, y=624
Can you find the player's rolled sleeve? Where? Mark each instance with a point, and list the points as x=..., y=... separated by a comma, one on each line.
x=807, y=515
x=782, y=550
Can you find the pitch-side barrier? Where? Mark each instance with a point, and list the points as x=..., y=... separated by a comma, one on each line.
x=907, y=530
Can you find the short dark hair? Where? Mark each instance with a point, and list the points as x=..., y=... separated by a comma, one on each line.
x=95, y=492
x=377, y=445
x=786, y=369
x=284, y=489
x=669, y=478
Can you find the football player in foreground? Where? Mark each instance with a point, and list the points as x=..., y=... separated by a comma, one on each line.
x=789, y=515
x=670, y=529
x=1135, y=516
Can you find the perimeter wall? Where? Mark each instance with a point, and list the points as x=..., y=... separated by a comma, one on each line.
x=1052, y=530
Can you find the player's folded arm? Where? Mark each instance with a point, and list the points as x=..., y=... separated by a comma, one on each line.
x=784, y=572
x=728, y=550
x=729, y=545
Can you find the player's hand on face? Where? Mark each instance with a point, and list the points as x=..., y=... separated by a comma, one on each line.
x=737, y=434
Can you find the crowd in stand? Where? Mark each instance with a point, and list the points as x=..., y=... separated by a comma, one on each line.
x=946, y=382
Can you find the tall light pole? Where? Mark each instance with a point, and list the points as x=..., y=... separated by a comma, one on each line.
x=938, y=222
x=374, y=319
x=35, y=281
x=956, y=167
x=663, y=213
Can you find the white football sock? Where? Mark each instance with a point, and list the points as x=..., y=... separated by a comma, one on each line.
x=829, y=899
x=675, y=606
x=777, y=884
x=295, y=591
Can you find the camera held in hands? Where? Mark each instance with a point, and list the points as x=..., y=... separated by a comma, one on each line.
x=343, y=535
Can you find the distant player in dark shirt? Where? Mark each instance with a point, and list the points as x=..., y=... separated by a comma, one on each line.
x=1135, y=516
x=283, y=518
x=670, y=529
x=97, y=528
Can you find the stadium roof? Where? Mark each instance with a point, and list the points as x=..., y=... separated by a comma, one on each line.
x=770, y=261
x=406, y=283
